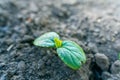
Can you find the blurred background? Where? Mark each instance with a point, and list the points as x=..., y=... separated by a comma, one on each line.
x=93, y=24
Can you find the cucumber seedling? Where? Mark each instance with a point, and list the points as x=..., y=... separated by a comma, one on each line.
x=68, y=51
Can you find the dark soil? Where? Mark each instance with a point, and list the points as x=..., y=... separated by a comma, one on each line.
x=94, y=25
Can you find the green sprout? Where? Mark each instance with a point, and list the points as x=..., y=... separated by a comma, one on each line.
x=68, y=51
x=58, y=43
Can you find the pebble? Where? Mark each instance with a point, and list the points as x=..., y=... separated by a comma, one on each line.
x=33, y=7
x=2, y=65
x=21, y=65
x=96, y=30
x=4, y=77
x=92, y=46
x=115, y=68
x=3, y=19
x=105, y=75
x=20, y=17
x=27, y=39
x=18, y=77
x=79, y=34
x=102, y=61
x=61, y=13
x=117, y=45
x=40, y=64
x=71, y=2
x=114, y=77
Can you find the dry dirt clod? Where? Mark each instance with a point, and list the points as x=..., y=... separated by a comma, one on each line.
x=106, y=75
x=115, y=68
x=102, y=61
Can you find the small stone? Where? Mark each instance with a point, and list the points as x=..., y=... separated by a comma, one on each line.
x=92, y=46
x=117, y=45
x=102, y=61
x=96, y=34
x=71, y=2
x=20, y=16
x=80, y=34
x=2, y=65
x=3, y=19
x=45, y=58
x=33, y=7
x=61, y=13
x=27, y=39
x=41, y=64
x=115, y=77
x=18, y=77
x=21, y=65
x=115, y=68
x=105, y=75
x=4, y=77
x=97, y=30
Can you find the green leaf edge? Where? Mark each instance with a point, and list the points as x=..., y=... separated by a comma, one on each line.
x=81, y=61
x=34, y=42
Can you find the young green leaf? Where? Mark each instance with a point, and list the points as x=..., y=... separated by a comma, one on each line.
x=46, y=40
x=71, y=54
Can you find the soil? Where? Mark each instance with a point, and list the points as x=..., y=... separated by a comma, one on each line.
x=94, y=25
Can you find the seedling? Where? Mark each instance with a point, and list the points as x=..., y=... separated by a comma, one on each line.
x=68, y=51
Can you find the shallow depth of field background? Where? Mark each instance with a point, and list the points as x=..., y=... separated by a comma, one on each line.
x=93, y=24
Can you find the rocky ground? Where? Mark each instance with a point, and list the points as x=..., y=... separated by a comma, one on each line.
x=94, y=25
